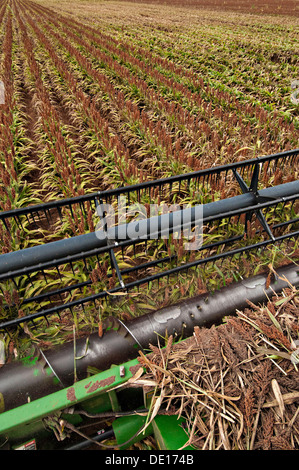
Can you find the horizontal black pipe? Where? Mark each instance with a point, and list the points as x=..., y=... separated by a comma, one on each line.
x=52, y=370
x=178, y=320
x=140, y=281
x=143, y=229
x=107, y=434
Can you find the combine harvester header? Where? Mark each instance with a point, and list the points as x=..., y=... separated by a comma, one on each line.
x=259, y=210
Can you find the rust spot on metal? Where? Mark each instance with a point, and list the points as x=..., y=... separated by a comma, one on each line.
x=134, y=369
x=88, y=385
x=102, y=383
x=70, y=395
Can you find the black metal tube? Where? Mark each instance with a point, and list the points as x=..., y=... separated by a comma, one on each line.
x=141, y=229
x=54, y=369
x=108, y=434
x=122, y=342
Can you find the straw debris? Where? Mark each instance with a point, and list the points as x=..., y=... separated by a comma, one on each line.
x=236, y=384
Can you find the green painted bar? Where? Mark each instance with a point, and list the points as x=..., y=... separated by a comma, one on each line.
x=80, y=391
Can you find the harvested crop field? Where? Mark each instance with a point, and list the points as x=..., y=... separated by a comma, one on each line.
x=236, y=383
x=99, y=96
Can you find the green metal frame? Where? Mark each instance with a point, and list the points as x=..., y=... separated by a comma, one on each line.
x=98, y=392
x=86, y=389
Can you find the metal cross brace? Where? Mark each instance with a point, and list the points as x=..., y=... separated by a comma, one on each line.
x=111, y=243
x=253, y=188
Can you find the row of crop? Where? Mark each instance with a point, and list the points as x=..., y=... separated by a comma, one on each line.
x=109, y=147
x=10, y=184
x=7, y=145
x=175, y=111
x=190, y=79
x=124, y=106
x=257, y=65
x=154, y=130
x=227, y=55
x=149, y=124
x=59, y=37
x=18, y=45
x=7, y=170
x=142, y=119
x=2, y=13
x=60, y=173
x=86, y=104
x=266, y=131
x=136, y=113
x=14, y=191
x=181, y=71
x=49, y=118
